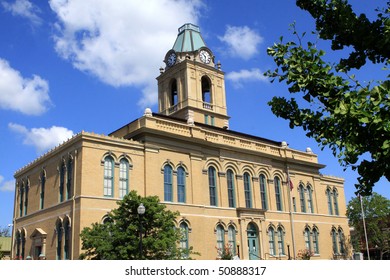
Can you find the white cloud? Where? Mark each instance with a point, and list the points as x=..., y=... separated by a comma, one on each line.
x=6, y=186
x=42, y=139
x=237, y=78
x=24, y=8
x=121, y=42
x=29, y=96
x=241, y=41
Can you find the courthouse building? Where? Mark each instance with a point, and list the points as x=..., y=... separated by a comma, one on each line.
x=265, y=199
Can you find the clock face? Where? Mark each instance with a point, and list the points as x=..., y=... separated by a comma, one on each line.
x=171, y=59
x=205, y=56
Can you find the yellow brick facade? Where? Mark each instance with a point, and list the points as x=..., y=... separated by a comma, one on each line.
x=181, y=136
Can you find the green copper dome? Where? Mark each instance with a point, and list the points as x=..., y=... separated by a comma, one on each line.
x=189, y=39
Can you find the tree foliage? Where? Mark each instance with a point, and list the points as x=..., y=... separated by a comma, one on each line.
x=350, y=117
x=4, y=232
x=377, y=219
x=118, y=238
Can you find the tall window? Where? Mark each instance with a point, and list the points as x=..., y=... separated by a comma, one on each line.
x=334, y=241
x=247, y=190
x=230, y=188
x=310, y=207
x=108, y=176
x=271, y=240
x=206, y=89
x=281, y=241
x=69, y=179
x=174, y=95
x=23, y=243
x=42, y=195
x=62, y=181
x=168, y=183
x=307, y=239
x=232, y=238
x=220, y=237
x=67, y=232
x=181, y=185
x=212, y=186
x=341, y=241
x=123, y=177
x=18, y=243
x=329, y=199
x=278, y=194
x=27, y=188
x=316, y=248
x=335, y=202
x=263, y=192
x=59, y=231
x=184, y=238
x=21, y=197
x=302, y=198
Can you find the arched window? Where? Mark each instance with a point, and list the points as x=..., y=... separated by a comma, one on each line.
x=59, y=231
x=301, y=190
x=27, y=188
x=18, y=244
x=334, y=241
x=247, y=190
x=21, y=196
x=184, y=238
x=310, y=207
x=232, y=238
x=174, y=93
x=307, y=239
x=263, y=192
x=335, y=202
x=220, y=237
x=62, y=181
x=168, y=183
x=123, y=177
x=281, y=241
x=341, y=242
x=278, y=194
x=206, y=89
x=67, y=233
x=212, y=186
x=329, y=200
x=271, y=241
x=42, y=194
x=181, y=185
x=316, y=247
x=108, y=176
x=69, y=178
x=230, y=188
x=23, y=240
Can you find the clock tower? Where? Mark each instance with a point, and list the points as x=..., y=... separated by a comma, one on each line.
x=192, y=86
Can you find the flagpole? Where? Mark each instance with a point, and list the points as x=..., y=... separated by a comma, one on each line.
x=364, y=226
x=290, y=187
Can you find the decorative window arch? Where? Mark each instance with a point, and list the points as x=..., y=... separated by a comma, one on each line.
x=307, y=237
x=230, y=177
x=23, y=242
x=263, y=192
x=206, y=90
x=184, y=240
x=108, y=189
x=333, y=234
x=301, y=190
x=278, y=193
x=59, y=233
x=212, y=177
x=168, y=177
x=310, y=206
x=271, y=240
x=181, y=184
x=67, y=237
x=280, y=232
x=341, y=241
x=335, y=201
x=247, y=190
x=124, y=168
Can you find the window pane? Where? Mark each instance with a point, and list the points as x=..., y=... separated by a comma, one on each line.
x=168, y=183
x=123, y=178
x=278, y=195
x=230, y=185
x=181, y=185
x=247, y=190
x=212, y=186
x=263, y=194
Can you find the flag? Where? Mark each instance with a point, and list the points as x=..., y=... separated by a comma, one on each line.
x=291, y=184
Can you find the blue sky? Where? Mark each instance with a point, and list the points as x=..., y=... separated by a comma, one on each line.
x=68, y=66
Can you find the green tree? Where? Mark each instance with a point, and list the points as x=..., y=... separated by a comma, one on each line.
x=118, y=238
x=377, y=219
x=4, y=232
x=352, y=118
